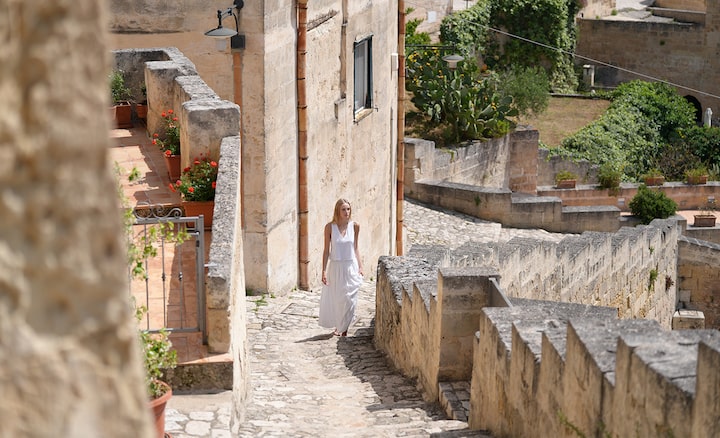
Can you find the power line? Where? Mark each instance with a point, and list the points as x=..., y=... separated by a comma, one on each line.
x=596, y=61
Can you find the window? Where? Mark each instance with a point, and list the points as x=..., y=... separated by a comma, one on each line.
x=363, y=75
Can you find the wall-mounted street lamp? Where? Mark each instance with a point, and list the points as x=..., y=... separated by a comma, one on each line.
x=452, y=60
x=237, y=41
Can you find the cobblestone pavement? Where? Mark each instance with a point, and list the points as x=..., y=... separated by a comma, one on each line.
x=307, y=383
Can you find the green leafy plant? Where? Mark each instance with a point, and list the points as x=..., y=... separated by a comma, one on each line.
x=169, y=143
x=609, y=176
x=118, y=91
x=197, y=182
x=158, y=356
x=696, y=175
x=652, y=173
x=529, y=88
x=631, y=134
x=456, y=104
x=651, y=204
x=564, y=175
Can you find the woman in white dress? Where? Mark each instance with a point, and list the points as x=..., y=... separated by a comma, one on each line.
x=342, y=272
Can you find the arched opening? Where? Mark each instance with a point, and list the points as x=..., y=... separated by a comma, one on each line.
x=698, y=109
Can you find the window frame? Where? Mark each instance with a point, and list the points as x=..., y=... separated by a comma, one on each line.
x=363, y=95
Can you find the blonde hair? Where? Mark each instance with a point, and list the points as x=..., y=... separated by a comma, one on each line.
x=338, y=206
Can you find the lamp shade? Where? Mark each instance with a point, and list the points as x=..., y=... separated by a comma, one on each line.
x=452, y=60
x=221, y=32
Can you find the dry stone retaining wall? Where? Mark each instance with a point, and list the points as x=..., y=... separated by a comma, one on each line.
x=562, y=362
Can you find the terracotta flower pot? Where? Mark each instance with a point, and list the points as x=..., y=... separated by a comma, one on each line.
x=566, y=184
x=141, y=109
x=172, y=162
x=697, y=179
x=704, y=220
x=197, y=208
x=157, y=406
x=655, y=181
x=123, y=115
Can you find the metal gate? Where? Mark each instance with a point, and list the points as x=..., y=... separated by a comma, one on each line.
x=173, y=285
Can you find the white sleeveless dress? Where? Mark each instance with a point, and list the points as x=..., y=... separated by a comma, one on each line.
x=339, y=295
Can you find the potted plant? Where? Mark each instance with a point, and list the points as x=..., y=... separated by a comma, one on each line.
x=706, y=216
x=653, y=177
x=141, y=108
x=197, y=187
x=169, y=143
x=565, y=180
x=697, y=175
x=156, y=347
x=158, y=356
x=120, y=96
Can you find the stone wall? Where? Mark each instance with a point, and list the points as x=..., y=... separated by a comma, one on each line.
x=517, y=210
x=148, y=24
x=435, y=291
x=549, y=369
x=686, y=50
x=687, y=197
x=431, y=12
x=549, y=166
x=688, y=5
x=699, y=278
x=561, y=364
x=206, y=121
x=70, y=362
x=596, y=8
x=509, y=161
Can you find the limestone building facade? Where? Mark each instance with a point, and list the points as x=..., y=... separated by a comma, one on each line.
x=317, y=86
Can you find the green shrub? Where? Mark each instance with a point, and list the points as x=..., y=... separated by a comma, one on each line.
x=609, y=176
x=642, y=118
x=651, y=204
x=529, y=87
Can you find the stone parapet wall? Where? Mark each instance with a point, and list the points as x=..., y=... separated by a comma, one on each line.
x=603, y=269
x=405, y=326
x=687, y=197
x=575, y=370
x=516, y=210
x=506, y=162
x=698, y=274
x=438, y=292
x=688, y=5
x=209, y=126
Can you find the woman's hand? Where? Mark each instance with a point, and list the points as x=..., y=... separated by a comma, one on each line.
x=324, y=278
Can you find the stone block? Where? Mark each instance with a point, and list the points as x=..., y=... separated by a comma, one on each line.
x=684, y=319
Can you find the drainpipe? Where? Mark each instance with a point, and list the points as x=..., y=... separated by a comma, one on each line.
x=400, y=129
x=237, y=95
x=304, y=259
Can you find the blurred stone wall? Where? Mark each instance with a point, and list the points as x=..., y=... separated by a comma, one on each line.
x=69, y=358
